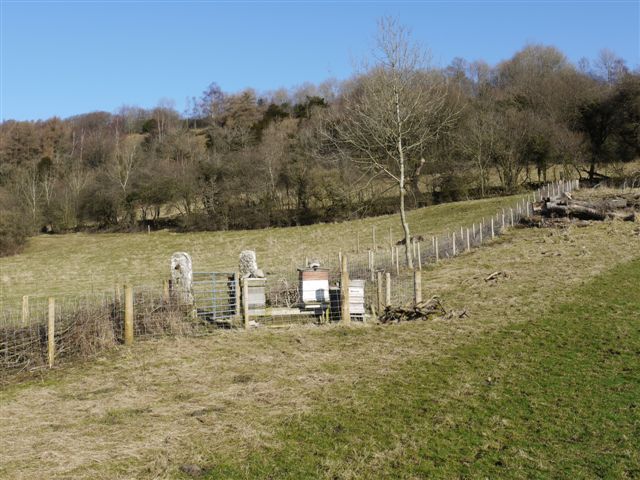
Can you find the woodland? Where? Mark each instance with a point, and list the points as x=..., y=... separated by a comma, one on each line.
x=309, y=154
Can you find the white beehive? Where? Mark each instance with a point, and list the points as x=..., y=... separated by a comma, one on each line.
x=314, y=286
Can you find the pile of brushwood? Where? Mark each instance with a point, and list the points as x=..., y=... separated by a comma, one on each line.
x=419, y=311
x=566, y=208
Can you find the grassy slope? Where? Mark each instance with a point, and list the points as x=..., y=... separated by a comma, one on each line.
x=75, y=263
x=555, y=397
x=372, y=400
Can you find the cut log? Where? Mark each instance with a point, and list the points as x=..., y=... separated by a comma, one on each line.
x=574, y=211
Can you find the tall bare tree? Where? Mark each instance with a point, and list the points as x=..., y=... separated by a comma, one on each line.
x=392, y=113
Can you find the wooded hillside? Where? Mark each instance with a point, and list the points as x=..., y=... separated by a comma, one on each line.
x=251, y=160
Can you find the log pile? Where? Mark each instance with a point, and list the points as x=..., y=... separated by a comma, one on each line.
x=566, y=207
x=420, y=311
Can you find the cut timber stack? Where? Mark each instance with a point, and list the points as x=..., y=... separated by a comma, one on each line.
x=599, y=210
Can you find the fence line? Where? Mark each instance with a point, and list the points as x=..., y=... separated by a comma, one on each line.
x=45, y=330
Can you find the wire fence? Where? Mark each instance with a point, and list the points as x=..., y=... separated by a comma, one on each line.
x=46, y=330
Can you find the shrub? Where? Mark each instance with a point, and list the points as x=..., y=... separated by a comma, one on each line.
x=13, y=233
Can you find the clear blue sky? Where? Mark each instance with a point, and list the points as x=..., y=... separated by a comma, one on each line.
x=65, y=58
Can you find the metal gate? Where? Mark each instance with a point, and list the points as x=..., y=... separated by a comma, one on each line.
x=216, y=295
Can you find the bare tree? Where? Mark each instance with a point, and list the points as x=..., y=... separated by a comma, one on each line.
x=477, y=141
x=125, y=161
x=395, y=110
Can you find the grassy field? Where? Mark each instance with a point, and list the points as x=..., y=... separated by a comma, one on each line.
x=540, y=380
x=78, y=263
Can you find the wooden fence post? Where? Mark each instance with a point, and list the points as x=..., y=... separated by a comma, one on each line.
x=468, y=241
x=454, y=243
x=51, y=331
x=387, y=298
x=245, y=303
x=165, y=291
x=373, y=266
x=493, y=233
x=417, y=287
x=345, y=314
x=419, y=257
x=128, y=315
x=481, y=227
x=511, y=212
x=397, y=262
x=379, y=291
x=25, y=309
x=390, y=238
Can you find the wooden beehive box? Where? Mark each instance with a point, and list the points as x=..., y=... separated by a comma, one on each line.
x=356, y=297
x=314, y=286
x=256, y=295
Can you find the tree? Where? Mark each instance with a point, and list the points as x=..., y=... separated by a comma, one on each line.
x=393, y=112
x=477, y=141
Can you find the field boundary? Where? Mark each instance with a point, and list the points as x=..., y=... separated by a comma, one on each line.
x=51, y=329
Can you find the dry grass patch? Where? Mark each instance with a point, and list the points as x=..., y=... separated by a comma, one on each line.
x=80, y=263
x=145, y=411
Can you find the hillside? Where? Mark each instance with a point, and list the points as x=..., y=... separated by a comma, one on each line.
x=539, y=379
x=81, y=263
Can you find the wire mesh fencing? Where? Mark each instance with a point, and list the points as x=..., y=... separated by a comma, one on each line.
x=330, y=288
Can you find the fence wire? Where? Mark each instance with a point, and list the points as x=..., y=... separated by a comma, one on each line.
x=87, y=324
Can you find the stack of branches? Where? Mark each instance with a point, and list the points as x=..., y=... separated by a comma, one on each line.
x=418, y=311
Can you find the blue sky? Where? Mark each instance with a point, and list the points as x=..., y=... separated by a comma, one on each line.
x=64, y=58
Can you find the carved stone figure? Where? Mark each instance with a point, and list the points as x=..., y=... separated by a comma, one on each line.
x=249, y=265
x=182, y=276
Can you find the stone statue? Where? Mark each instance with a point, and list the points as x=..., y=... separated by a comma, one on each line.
x=249, y=265
x=182, y=276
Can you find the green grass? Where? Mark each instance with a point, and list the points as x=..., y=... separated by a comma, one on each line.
x=556, y=397
x=82, y=263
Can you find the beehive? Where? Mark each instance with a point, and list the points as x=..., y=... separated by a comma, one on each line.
x=314, y=286
x=256, y=295
x=356, y=297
